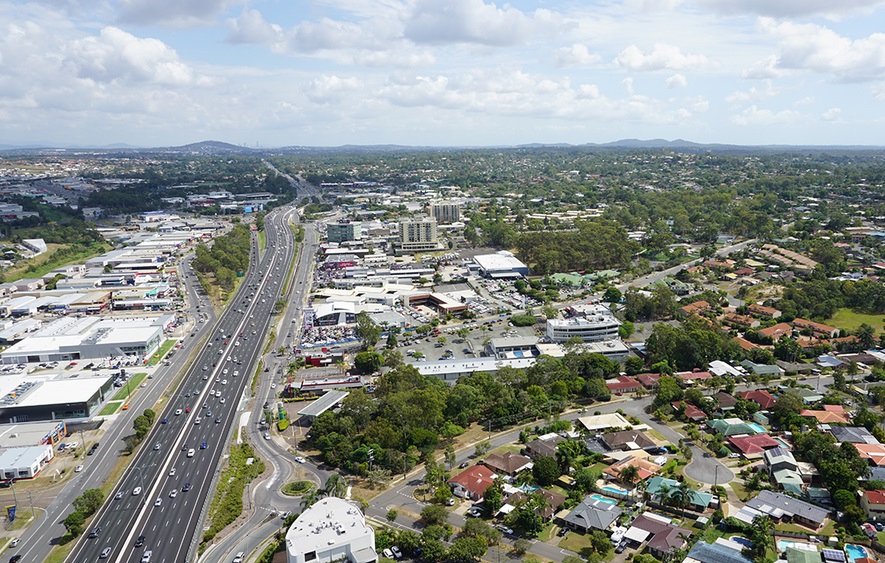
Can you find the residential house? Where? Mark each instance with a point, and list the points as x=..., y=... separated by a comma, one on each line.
x=873, y=504
x=782, y=508
x=689, y=411
x=627, y=440
x=873, y=453
x=649, y=380
x=623, y=384
x=544, y=446
x=762, y=369
x=831, y=414
x=775, y=332
x=764, y=312
x=592, y=514
x=745, y=344
x=663, y=537
x=600, y=422
x=554, y=502
x=723, y=369
x=644, y=467
x=726, y=402
x=817, y=329
x=752, y=447
x=658, y=487
x=853, y=434
x=472, y=482
x=696, y=308
x=740, y=321
x=720, y=551
x=507, y=464
x=734, y=426
x=693, y=377
x=784, y=470
x=761, y=397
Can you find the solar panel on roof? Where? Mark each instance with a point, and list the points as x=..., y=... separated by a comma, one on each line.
x=834, y=555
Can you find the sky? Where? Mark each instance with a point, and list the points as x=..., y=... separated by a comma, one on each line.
x=273, y=73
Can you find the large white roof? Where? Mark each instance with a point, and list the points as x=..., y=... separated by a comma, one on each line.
x=77, y=390
x=328, y=522
x=498, y=262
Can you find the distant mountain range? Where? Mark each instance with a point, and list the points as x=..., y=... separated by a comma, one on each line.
x=219, y=148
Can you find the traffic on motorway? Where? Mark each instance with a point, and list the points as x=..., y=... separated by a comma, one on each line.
x=158, y=508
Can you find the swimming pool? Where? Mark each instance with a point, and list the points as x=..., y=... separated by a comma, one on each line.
x=615, y=490
x=757, y=427
x=855, y=552
x=606, y=500
x=782, y=545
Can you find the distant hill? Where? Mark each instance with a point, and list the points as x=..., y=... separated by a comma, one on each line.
x=207, y=148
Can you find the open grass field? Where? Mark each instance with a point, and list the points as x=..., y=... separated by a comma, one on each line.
x=48, y=261
x=851, y=320
x=110, y=408
x=134, y=382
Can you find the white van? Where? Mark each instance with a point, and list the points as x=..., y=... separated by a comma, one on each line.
x=190, y=452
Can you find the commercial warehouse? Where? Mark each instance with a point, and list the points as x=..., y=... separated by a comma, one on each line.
x=22, y=399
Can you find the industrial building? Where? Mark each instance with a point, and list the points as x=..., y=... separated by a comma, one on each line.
x=70, y=338
x=501, y=265
x=26, y=399
x=24, y=462
x=332, y=529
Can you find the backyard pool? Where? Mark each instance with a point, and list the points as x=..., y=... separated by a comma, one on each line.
x=615, y=490
x=855, y=552
x=606, y=500
x=782, y=545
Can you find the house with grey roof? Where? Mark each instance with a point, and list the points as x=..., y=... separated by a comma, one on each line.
x=853, y=434
x=782, y=508
x=720, y=551
x=592, y=514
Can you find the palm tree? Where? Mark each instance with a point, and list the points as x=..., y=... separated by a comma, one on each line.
x=629, y=475
x=309, y=499
x=336, y=486
x=680, y=496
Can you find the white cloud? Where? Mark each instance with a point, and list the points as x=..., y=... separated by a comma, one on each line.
x=764, y=69
x=676, y=81
x=879, y=92
x=330, y=88
x=628, y=85
x=576, y=55
x=250, y=27
x=177, y=13
x=832, y=114
x=820, y=49
x=792, y=8
x=117, y=55
x=754, y=94
x=755, y=116
x=473, y=21
x=663, y=56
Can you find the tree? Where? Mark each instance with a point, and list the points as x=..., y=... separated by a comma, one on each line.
x=866, y=336
x=89, y=502
x=600, y=542
x=392, y=514
x=434, y=515
x=368, y=361
x=612, y=295
x=74, y=523
x=432, y=550
x=633, y=365
x=493, y=498
x=521, y=546
x=366, y=330
x=466, y=550
x=545, y=471
x=482, y=448
x=629, y=474
x=335, y=486
x=761, y=536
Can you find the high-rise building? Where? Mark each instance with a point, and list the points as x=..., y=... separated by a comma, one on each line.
x=418, y=234
x=343, y=231
x=446, y=212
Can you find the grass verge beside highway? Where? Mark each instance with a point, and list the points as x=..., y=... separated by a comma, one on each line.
x=161, y=353
x=129, y=389
x=227, y=502
x=110, y=408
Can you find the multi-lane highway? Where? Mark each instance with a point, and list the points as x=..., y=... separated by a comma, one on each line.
x=204, y=410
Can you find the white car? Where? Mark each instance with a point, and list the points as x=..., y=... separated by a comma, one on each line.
x=224, y=382
x=136, y=491
x=172, y=472
x=158, y=502
x=173, y=493
x=78, y=469
x=177, y=412
x=300, y=459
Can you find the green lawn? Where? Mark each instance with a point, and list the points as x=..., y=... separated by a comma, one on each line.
x=49, y=261
x=134, y=382
x=110, y=408
x=161, y=352
x=262, y=240
x=848, y=319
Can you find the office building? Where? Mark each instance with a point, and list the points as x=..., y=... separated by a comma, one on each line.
x=344, y=231
x=418, y=234
x=446, y=212
x=332, y=529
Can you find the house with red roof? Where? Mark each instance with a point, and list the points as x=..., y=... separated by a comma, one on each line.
x=764, y=312
x=752, y=447
x=693, y=377
x=740, y=321
x=873, y=453
x=664, y=539
x=649, y=380
x=726, y=402
x=745, y=344
x=817, y=329
x=775, y=332
x=761, y=397
x=472, y=482
x=831, y=414
x=873, y=504
x=623, y=384
x=696, y=308
x=690, y=412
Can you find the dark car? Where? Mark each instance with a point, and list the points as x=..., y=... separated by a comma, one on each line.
x=15, y=558
x=463, y=465
x=621, y=547
x=562, y=532
x=140, y=541
x=204, y=445
x=186, y=487
x=94, y=532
